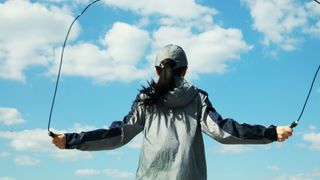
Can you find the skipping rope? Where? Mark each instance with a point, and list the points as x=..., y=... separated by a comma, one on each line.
x=60, y=65
x=50, y=133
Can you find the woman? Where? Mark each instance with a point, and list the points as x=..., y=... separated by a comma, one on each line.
x=172, y=115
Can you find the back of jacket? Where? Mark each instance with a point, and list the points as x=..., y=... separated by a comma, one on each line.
x=172, y=145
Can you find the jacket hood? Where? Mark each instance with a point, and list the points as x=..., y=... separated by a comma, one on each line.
x=182, y=94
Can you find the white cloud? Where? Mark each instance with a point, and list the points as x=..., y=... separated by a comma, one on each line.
x=278, y=26
x=136, y=142
x=10, y=116
x=287, y=23
x=118, y=174
x=86, y=172
x=113, y=173
x=182, y=9
x=313, y=127
x=26, y=161
x=233, y=148
x=120, y=55
x=7, y=178
x=124, y=46
x=28, y=35
x=273, y=168
x=78, y=127
x=73, y=2
x=4, y=154
x=314, y=13
x=314, y=30
x=37, y=140
x=313, y=139
x=171, y=13
x=313, y=175
x=126, y=43
x=207, y=52
x=71, y=155
x=116, y=153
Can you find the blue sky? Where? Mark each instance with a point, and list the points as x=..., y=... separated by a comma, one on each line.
x=255, y=58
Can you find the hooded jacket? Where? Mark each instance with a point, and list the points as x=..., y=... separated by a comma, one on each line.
x=173, y=145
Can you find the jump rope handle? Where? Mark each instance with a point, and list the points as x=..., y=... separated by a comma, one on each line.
x=50, y=133
x=294, y=124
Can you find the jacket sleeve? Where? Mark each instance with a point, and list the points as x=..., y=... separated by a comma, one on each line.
x=229, y=131
x=117, y=135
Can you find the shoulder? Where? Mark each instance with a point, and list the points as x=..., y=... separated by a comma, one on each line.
x=203, y=94
x=138, y=101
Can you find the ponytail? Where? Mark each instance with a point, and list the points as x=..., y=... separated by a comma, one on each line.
x=166, y=82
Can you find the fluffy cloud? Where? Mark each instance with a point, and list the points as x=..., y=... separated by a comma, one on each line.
x=173, y=13
x=71, y=155
x=34, y=140
x=126, y=52
x=314, y=13
x=136, y=142
x=313, y=139
x=273, y=168
x=279, y=25
x=26, y=161
x=7, y=178
x=207, y=52
x=113, y=173
x=124, y=46
x=233, y=148
x=116, y=153
x=28, y=34
x=10, y=116
x=208, y=49
x=4, y=154
x=312, y=175
x=183, y=9
x=86, y=172
x=37, y=140
x=288, y=18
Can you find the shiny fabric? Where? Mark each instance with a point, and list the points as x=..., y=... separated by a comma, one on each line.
x=172, y=145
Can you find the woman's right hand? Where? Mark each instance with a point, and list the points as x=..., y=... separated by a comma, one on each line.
x=59, y=140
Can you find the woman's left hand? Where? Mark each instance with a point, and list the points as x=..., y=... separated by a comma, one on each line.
x=283, y=133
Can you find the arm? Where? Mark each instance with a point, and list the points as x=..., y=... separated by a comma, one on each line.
x=118, y=134
x=229, y=131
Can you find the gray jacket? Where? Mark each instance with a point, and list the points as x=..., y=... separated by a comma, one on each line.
x=173, y=145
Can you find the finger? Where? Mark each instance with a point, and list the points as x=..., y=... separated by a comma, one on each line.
x=55, y=141
x=289, y=129
x=58, y=145
x=61, y=146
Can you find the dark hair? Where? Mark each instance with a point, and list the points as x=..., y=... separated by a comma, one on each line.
x=166, y=82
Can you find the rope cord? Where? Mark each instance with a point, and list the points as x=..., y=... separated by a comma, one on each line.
x=295, y=123
x=60, y=65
